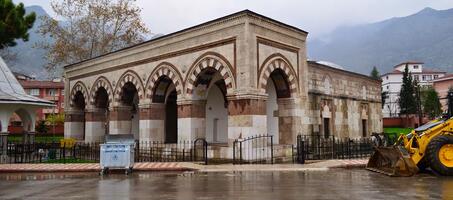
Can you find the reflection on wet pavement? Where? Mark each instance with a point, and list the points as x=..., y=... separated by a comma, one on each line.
x=334, y=184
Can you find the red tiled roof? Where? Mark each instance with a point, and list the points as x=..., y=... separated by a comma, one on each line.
x=424, y=71
x=428, y=70
x=444, y=78
x=41, y=84
x=408, y=62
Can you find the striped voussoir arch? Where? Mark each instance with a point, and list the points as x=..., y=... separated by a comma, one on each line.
x=101, y=82
x=210, y=62
x=160, y=71
x=127, y=77
x=274, y=64
x=79, y=87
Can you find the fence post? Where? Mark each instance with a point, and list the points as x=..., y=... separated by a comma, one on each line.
x=302, y=151
x=333, y=147
x=138, y=151
x=205, y=144
x=272, y=150
x=234, y=152
x=64, y=152
x=240, y=152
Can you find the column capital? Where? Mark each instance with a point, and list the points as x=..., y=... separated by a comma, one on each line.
x=120, y=107
x=247, y=96
x=72, y=111
x=247, y=106
x=150, y=105
x=291, y=100
x=191, y=102
x=192, y=109
x=94, y=110
x=152, y=111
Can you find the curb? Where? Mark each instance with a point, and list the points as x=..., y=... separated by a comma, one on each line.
x=91, y=170
x=351, y=166
x=264, y=170
x=48, y=168
x=31, y=168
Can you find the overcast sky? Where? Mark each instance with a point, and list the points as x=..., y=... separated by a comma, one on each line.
x=315, y=16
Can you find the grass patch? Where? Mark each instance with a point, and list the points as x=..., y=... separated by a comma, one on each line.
x=397, y=130
x=38, y=139
x=69, y=160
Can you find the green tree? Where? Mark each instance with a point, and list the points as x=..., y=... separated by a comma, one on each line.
x=431, y=103
x=56, y=119
x=14, y=23
x=375, y=74
x=418, y=101
x=41, y=127
x=450, y=101
x=406, y=101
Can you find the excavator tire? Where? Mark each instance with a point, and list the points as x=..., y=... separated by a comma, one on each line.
x=440, y=155
x=422, y=165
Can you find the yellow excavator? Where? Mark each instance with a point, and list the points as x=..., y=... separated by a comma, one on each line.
x=430, y=145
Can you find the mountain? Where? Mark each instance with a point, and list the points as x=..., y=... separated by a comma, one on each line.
x=29, y=59
x=424, y=36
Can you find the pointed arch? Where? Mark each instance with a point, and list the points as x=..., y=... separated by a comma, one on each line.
x=364, y=91
x=79, y=87
x=168, y=70
x=210, y=60
x=327, y=84
x=132, y=77
x=101, y=82
x=272, y=63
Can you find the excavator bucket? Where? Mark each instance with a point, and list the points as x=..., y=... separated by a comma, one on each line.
x=392, y=161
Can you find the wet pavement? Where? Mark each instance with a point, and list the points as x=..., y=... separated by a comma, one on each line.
x=332, y=184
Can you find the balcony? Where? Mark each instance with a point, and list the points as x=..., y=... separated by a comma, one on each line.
x=50, y=110
x=51, y=98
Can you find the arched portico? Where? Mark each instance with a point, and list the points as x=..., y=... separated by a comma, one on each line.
x=280, y=85
x=204, y=114
x=158, y=120
x=124, y=115
x=97, y=112
x=75, y=115
x=158, y=116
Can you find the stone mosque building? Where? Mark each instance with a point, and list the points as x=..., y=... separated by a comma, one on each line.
x=233, y=77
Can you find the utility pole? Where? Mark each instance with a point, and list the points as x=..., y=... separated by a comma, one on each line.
x=53, y=110
x=419, y=106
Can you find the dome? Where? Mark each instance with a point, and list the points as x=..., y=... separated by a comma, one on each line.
x=330, y=64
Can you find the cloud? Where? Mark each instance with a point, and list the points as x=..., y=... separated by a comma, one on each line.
x=315, y=16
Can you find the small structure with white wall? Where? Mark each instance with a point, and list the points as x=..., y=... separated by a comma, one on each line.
x=13, y=99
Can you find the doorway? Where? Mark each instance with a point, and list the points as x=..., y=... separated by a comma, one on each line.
x=171, y=119
x=364, y=128
x=326, y=127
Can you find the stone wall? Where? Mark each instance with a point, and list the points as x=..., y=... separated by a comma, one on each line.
x=346, y=99
x=243, y=52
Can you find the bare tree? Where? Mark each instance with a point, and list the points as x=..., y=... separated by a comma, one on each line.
x=89, y=28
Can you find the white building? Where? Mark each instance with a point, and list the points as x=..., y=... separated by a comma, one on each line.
x=392, y=81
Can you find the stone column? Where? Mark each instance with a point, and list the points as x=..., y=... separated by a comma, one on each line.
x=289, y=120
x=95, y=122
x=191, y=120
x=120, y=120
x=152, y=122
x=246, y=116
x=74, y=125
